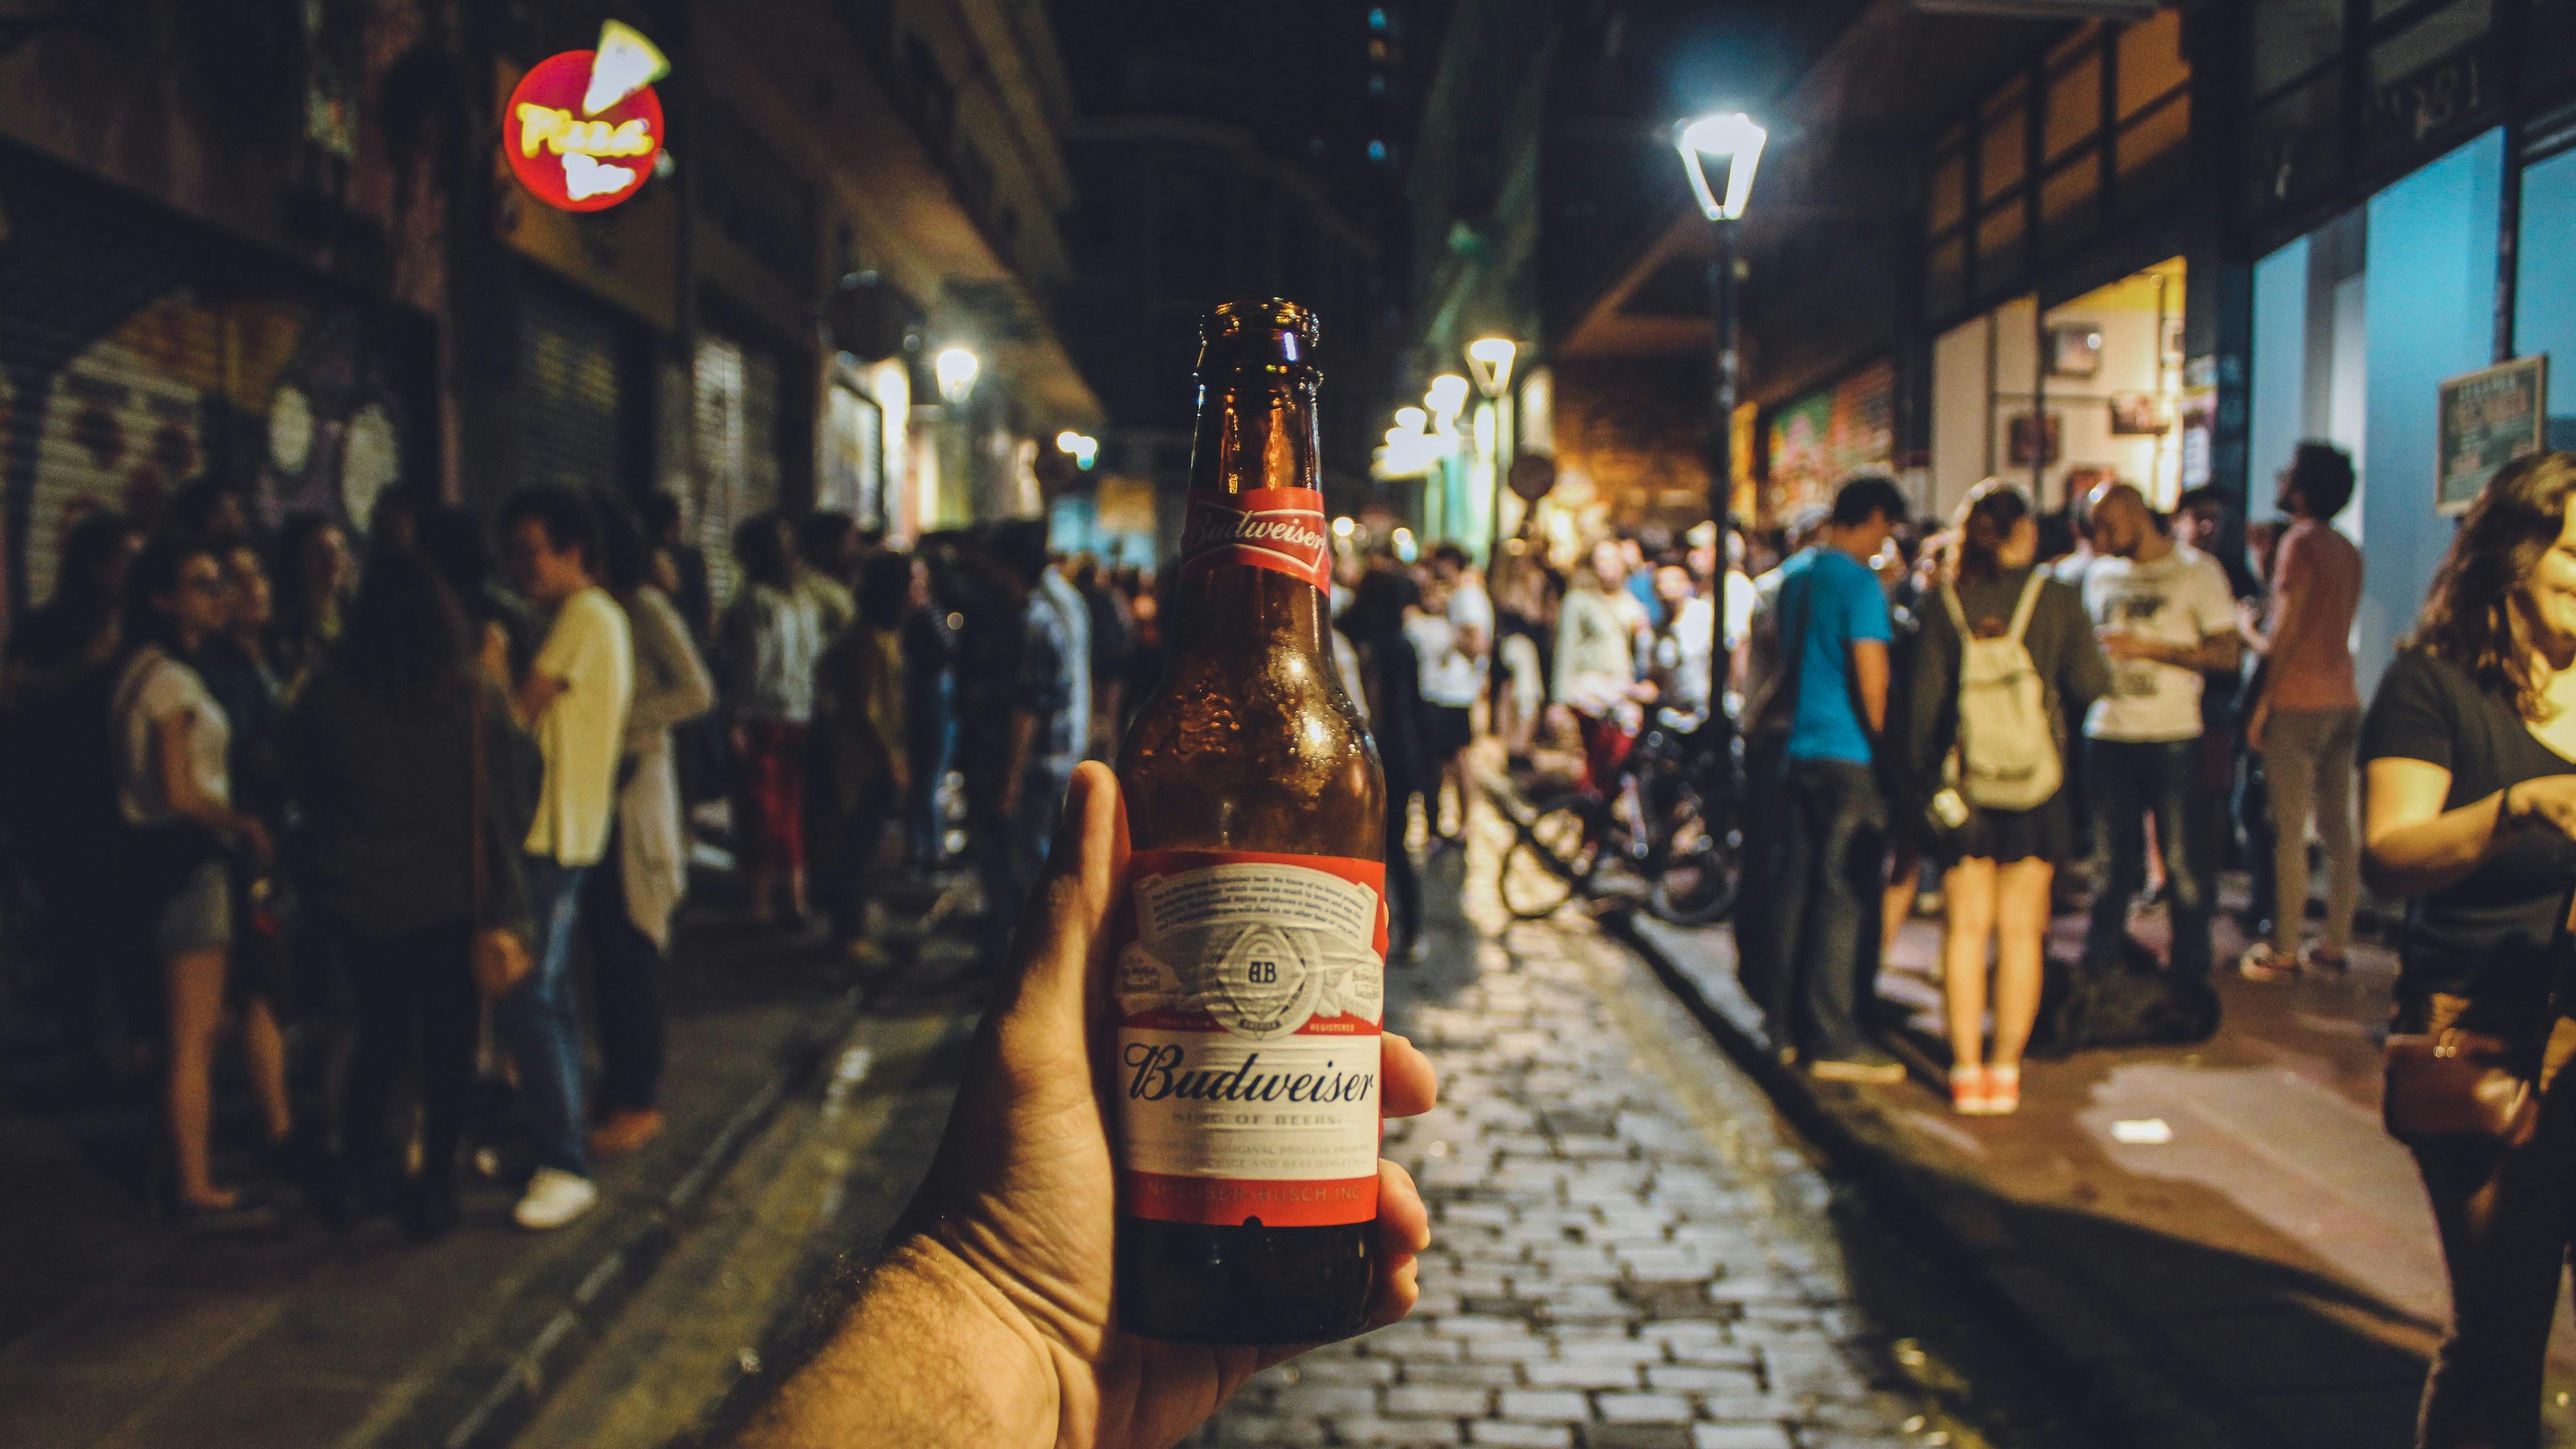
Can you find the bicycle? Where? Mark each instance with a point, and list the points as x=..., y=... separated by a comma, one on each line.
x=1669, y=820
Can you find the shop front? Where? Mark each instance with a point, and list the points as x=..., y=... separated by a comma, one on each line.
x=142, y=351
x=1829, y=435
x=2056, y=291
x=2063, y=399
x=2424, y=234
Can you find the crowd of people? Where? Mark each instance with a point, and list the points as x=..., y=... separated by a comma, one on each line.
x=367, y=817
x=2107, y=700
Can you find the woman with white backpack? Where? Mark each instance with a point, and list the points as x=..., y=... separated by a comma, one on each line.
x=2005, y=653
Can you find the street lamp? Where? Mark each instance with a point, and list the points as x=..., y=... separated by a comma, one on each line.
x=1730, y=143
x=956, y=368
x=1490, y=359
x=1446, y=398
x=1730, y=140
x=1081, y=447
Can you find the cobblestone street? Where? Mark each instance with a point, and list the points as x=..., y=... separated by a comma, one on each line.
x=1629, y=1250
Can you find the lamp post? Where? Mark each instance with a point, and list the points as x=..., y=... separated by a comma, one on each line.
x=1489, y=360
x=956, y=368
x=1728, y=144
x=1445, y=399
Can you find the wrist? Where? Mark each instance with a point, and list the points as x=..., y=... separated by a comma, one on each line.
x=934, y=1352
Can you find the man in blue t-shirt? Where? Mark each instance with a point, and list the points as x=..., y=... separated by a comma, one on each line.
x=1834, y=635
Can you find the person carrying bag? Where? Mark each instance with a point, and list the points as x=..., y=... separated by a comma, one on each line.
x=1995, y=668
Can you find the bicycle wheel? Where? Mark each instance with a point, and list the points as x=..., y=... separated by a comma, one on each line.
x=1701, y=875
x=1549, y=858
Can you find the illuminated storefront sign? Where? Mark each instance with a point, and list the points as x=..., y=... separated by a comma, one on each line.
x=583, y=129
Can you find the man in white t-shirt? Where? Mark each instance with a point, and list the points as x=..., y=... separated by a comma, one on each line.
x=574, y=700
x=2164, y=614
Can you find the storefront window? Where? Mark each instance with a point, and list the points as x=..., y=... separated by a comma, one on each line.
x=2155, y=154
x=1945, y=277
x=2544, y=291
x=2429, y=40
x=2294, y=145
x=1999, y=247
x=2070, y=212
x=2089, y=393
x=1948, y=202
x=1980, y=187
x=2074, y=105
x=2151, y=62
x=2292, y=38
x=2003, y=146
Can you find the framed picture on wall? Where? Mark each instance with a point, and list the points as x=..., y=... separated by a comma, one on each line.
x=2029, y=440
x=2074, y=349
x=2138, y=413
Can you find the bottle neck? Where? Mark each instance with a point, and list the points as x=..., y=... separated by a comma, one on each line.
x=1256, y=440
x=1256, y=430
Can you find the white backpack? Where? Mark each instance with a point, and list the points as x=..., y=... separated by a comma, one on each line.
x=2007, y=756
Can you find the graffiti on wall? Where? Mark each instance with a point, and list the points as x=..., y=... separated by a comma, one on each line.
x=133, y=364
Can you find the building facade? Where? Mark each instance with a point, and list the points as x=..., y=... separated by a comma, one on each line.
x=278, y=244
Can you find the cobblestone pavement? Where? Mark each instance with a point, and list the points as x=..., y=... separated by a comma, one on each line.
x=1629, y=1252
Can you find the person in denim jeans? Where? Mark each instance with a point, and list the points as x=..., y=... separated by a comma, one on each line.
x=2164, y=614
x=574, y=700
x=1834, y=631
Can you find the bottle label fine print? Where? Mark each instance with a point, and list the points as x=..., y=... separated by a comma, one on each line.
x=1281, y=529
x=1250, y=992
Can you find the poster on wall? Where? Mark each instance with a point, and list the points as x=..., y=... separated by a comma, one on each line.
x=1831, y=434
x=2032, y=440
x=2488, y=418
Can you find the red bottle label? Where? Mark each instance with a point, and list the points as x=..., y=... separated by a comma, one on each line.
x=1281, y=529
x=1250, y=990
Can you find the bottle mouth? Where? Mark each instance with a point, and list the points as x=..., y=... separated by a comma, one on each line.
x=1258, y=332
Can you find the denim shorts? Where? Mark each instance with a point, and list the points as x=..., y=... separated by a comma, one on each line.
x=198, y=916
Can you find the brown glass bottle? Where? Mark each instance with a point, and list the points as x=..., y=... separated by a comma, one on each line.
x=1250, y=749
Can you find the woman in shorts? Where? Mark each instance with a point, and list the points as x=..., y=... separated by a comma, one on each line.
x=174, y=791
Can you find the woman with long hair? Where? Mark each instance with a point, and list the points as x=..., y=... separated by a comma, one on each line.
x=2469, y=803
x=313, y=577
x=1997, y=864
x=628, y=909
x=383, y=751
x=174, y=792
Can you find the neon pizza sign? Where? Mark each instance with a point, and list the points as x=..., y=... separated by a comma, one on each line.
x=583, y=129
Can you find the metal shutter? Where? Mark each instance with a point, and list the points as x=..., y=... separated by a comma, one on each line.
x=571, y=405
x=737, y=444
x=114, y=416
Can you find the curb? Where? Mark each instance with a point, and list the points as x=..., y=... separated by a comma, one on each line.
x=2138, y=1405
x=550, y=1355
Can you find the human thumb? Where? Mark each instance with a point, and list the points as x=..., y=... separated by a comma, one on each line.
x=1065, y=925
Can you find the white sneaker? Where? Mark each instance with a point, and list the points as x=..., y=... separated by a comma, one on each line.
x=554, y=1198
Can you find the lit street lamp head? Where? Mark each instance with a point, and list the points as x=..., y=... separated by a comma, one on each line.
x=956, y=368
x=1731, y=141
x=1446, y=398
x=1490, y=359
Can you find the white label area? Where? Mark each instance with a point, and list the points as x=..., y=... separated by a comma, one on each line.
x=1207, y=1104
x=1262, y=947
x=1248, y=1050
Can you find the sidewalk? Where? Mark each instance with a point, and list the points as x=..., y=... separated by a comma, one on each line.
x=118, y=1332
x=2269, y=1276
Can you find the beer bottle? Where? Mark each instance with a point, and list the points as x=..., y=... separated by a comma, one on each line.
x=1251, y=924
